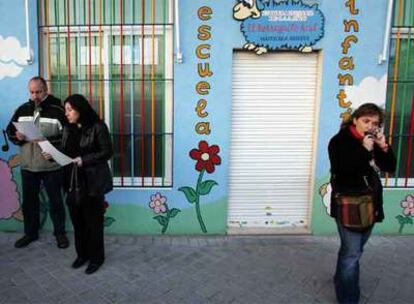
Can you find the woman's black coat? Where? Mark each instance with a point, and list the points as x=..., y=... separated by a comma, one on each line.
x=350, y=166
x=96, y=149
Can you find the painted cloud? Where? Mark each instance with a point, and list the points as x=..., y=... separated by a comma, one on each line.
x=370, y=89
x=12, y=57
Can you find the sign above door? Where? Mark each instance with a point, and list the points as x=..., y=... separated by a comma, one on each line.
x=279, y=25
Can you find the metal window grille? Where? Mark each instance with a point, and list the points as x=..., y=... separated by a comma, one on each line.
x=399, y=125
x=119, y=54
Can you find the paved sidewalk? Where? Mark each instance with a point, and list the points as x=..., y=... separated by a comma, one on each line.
x=222, y=269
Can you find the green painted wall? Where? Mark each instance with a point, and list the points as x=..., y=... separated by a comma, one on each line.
x=395, y=221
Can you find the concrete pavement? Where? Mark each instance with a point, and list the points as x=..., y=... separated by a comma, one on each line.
x=203, y=269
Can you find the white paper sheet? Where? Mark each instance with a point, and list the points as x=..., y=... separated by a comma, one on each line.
x=29, y=129
x=58, y=156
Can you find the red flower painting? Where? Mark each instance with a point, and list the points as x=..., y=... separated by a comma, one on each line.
x=206, y=156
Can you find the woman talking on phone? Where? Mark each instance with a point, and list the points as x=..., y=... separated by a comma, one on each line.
x=357, y=153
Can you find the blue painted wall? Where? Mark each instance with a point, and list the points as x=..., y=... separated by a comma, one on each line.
x=127, y=205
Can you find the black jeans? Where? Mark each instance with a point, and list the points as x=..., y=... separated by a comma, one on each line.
x=87, y=220
x=52, y=181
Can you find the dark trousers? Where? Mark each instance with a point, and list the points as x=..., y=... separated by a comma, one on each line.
x=347, y=267
x=52, y=181
x=87, y=220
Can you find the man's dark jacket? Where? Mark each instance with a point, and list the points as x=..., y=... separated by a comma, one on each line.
x=50, y=119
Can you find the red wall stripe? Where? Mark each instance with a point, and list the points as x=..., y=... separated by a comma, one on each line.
x=410, y=145
x=68, y=48
x=121, y=97
x=142, y=94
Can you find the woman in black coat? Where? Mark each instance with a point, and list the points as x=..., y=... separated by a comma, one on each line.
x=357, y=154
x=87, y=140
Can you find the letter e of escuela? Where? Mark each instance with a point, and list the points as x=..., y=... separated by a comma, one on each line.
x=203, y=87
x=204, y=13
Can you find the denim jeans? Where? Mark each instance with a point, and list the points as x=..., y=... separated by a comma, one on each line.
x=347, y=267
x=53, y=182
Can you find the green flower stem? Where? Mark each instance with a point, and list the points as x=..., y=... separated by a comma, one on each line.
x=197, y=203
x=164, y=228
x=401, y=228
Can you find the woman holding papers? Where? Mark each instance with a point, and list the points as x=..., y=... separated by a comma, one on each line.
x=86, y=139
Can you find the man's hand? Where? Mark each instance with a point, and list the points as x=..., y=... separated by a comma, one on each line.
x=20, y=136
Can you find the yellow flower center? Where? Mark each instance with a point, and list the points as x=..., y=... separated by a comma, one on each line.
x=205, y=156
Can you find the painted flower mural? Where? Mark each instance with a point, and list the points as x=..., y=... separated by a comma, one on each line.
x=407, y=213
x=108, y=220
x=158, y=203
x=207, y=158
x=9, y=196
x=408, y=205
x=325, y=192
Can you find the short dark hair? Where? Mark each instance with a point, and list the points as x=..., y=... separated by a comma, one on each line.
x=41, y=79
x=366, y=109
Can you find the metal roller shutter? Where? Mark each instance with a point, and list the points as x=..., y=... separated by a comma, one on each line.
x=273, y=130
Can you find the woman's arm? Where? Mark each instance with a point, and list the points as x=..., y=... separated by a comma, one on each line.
x=385, y=159
x=103, y=144
x=348, y=158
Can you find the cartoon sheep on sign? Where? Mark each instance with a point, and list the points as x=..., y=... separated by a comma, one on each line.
x=270, y=25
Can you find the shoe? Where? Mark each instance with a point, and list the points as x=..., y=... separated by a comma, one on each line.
x=62, y=241
x=24, y=241
x=92, y=267
x=79, y=262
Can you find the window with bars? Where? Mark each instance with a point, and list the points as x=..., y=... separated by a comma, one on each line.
x=119, y=54
x=399, y=125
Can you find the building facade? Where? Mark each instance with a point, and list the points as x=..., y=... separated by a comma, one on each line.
x=220, y=111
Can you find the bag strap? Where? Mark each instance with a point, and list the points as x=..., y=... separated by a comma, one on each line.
x=74, y=177
x=365, y=177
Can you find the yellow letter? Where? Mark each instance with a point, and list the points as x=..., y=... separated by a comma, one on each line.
x=346, y=78
x=346, y=63
x=351, y=23
x=203, y=87
x=204, y=32
x=204, y=69
x=204, y=13
x=347, y=43
x=199, y=52
x=203, y=128
x=351, y=5
x=201, y=106
x=346, y=115
x=341, y=99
